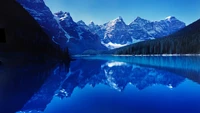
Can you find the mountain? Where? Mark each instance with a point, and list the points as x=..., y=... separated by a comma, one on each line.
x=116, y=33
x=62, y=29
x=24, y=39
x=82, y=24
x=79, y=37
x=160, y=28
x=185, y=41
x=45, y=18
x=94, y=28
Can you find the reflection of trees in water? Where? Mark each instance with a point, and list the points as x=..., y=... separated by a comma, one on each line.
x=141, y=73
x=186, y=66
x=55, y=78
x=18, y=83
x=116, y=75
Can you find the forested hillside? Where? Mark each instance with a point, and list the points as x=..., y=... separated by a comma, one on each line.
x=185, y=41
x=23, y=35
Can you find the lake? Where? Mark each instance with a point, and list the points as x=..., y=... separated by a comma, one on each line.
x=105, y=84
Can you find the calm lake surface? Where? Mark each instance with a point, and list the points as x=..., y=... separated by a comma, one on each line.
x=107, y=84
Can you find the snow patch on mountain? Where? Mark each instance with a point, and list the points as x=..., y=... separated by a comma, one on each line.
x=116, y=33
x=111, y=45
x=170, y=18
x=113, y=34
x=115, y=23
x=135, y=40
x=64, y=17
x=66, y=34
x=80, y=34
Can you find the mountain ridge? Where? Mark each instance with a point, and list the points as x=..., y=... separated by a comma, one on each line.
x=79, y=37
x=117, y=31
x=184, y=41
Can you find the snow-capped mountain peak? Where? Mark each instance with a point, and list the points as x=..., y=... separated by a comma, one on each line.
x=91, y=23
x=81, y=22
x=118, y=19
x=170, y=18
x=113, y=34
x=118, y=22
x=63, y=15
x=140, y=21
x=117, y=32
x=138, y=18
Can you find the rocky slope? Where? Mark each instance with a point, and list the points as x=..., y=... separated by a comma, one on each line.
x=185, y=41
x=45, y=18
x=117, y=32
x=80, y=37
x=62, y=29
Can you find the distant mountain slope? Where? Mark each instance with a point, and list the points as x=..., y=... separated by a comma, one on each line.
x=80, y=37
x=116, y=33
x=185, y=41
x=62, y=29
x=42, y=14
x=23, y=34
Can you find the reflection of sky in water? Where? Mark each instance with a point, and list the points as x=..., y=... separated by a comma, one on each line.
x=121, y=85
x=152, y=99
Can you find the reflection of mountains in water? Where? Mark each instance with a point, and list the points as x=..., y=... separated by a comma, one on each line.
x=187, y=66
x=117, y=73
x=19, y=82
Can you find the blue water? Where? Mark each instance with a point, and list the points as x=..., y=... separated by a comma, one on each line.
x=113, y=84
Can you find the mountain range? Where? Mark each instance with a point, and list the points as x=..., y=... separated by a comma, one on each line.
x=185, y=41
x=23, y=36
x=118, y=32
x=79, y=37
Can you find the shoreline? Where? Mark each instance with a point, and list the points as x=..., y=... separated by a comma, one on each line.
x=138, y=55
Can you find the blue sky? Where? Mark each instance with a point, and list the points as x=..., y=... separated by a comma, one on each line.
x=102, y=11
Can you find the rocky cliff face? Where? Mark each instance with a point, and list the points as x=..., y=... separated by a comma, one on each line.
x=45, y=18
x=62, y=29
x=80, y=37
x=185, y=41
x=23, y=34
x=117, y=32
